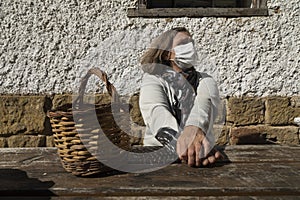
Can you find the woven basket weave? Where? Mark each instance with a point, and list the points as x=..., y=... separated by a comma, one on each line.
x=76, y=142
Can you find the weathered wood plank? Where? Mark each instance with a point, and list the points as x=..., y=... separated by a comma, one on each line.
x=11, y=157
x=177, y=180
x=262, y=153
x=257, y=171
x=18, y=157
x=184, y=198
x=196, y=12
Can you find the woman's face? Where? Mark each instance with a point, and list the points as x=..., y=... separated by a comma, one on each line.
x=179, y=39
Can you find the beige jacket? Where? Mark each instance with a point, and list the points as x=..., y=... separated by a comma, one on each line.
x=156, y=98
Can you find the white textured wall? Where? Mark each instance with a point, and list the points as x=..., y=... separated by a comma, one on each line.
x=46, y=46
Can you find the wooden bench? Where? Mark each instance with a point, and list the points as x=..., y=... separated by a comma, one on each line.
x=264, y=171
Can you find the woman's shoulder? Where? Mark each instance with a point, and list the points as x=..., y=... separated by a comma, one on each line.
x=147, y=76
x=204, y=77
x=151, y=79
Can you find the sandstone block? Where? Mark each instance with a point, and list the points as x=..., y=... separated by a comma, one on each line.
x=221, y=117
x=63, y=102
x=245, y=111
x=295, y=101
x=3, y=142
x=104, y=98
x=26, y=141
x=248, y=135
x=222, y=135
x=22, y=114
x=135, y=113
x=283, y=134
x=281, y=110
x=50, y=141
x=137, y=134
x=264, y=135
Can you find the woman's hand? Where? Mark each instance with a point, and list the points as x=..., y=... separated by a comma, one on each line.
x=194, y=147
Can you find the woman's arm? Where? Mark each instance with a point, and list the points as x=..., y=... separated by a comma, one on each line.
x=197, y=140
x=206, y=104
x=155, y=106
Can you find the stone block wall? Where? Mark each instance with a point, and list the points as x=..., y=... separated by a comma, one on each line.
x=249, y=120
x=262, y=120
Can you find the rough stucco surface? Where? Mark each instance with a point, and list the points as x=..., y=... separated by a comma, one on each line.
x=46, y=46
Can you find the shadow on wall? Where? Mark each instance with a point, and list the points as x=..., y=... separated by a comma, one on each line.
x=255, y=138
x=15, y=184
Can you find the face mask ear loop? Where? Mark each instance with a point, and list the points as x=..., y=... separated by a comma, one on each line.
x=170, y=54
x=173, y=61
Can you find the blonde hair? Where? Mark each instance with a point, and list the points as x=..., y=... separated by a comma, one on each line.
x=158, y=52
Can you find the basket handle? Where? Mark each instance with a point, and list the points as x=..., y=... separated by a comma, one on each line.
x=103, y=76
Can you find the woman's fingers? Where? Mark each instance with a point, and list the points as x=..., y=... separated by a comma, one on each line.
x=205, y=162
x=180, y=147
x=184, y=156
x=206, y=147
x=218, y=155
x=198, y=153
x=184, y=141
x=191, y=155
x=213, y=156
x=211, y=159
x=195, y=148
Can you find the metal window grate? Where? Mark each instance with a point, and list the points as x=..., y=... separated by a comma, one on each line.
x=199, y=8
x=202, y=3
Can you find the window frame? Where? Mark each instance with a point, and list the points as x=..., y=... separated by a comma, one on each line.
x=143, y=11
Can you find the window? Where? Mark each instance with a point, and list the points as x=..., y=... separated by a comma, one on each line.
x=199, y=8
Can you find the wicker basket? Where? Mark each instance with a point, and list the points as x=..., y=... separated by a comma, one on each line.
x=76, y=141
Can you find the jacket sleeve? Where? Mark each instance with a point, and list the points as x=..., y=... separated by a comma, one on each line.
x=155, y=106
x=205, y=108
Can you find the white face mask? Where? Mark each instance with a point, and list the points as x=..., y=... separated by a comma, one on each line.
x=185, y=55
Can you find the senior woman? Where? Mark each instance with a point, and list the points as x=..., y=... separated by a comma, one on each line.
x=176, y=101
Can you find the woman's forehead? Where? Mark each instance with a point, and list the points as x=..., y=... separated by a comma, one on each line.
x=181, y=38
